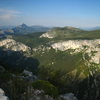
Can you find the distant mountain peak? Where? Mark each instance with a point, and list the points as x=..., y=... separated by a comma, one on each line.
x=25, y=29
x=23, y=26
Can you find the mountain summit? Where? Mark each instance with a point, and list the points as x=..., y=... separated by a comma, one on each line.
x=25, y=29
x=22, y=26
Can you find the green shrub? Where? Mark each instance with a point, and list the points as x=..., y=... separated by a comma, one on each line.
x=5, y=76
x=48, y=88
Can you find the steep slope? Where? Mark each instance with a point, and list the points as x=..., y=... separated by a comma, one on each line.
x=69, y=59
x=16, y=56
x=71, y=66
x=61, y=54
x=74, y=57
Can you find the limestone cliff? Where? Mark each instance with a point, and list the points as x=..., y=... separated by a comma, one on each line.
x=13, y=45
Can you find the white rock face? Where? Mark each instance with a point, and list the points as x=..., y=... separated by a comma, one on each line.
x=75, y=44
x=13, y=45
x=78, y=45
x=1, y=92
x=2, y=95
x=28, y=73
x=47, y=35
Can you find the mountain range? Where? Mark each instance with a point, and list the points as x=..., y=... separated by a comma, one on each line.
x=66, y=57
x=23, y=29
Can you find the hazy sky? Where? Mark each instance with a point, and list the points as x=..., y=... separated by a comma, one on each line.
x=79, y=13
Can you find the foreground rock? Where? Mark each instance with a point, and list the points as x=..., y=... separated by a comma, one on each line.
x=2, y=95
x=40, y=95
x=68, y=96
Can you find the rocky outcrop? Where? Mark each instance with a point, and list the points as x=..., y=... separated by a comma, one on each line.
x=79, y=45
x=92, y=47
x=13, y=45
x=47, y=35
x=40, y=95
x=27, y=75
x=75, y=44
x=68, y=96
x=2, y=95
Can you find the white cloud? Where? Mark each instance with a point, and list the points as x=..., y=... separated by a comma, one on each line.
x=9, y=11
x=6, y=14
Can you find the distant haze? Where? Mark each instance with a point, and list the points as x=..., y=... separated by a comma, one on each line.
x=77, y=13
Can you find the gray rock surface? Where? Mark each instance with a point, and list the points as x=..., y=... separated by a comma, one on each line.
x=68, y=96
x=40, y=95
x=2, y=95
x=13, y=45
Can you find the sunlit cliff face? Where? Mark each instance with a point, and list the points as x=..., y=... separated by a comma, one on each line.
x=13, y=45
x=79, y=45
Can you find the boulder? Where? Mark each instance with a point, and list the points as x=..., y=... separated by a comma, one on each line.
x=68, y=96
x=2, y=95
